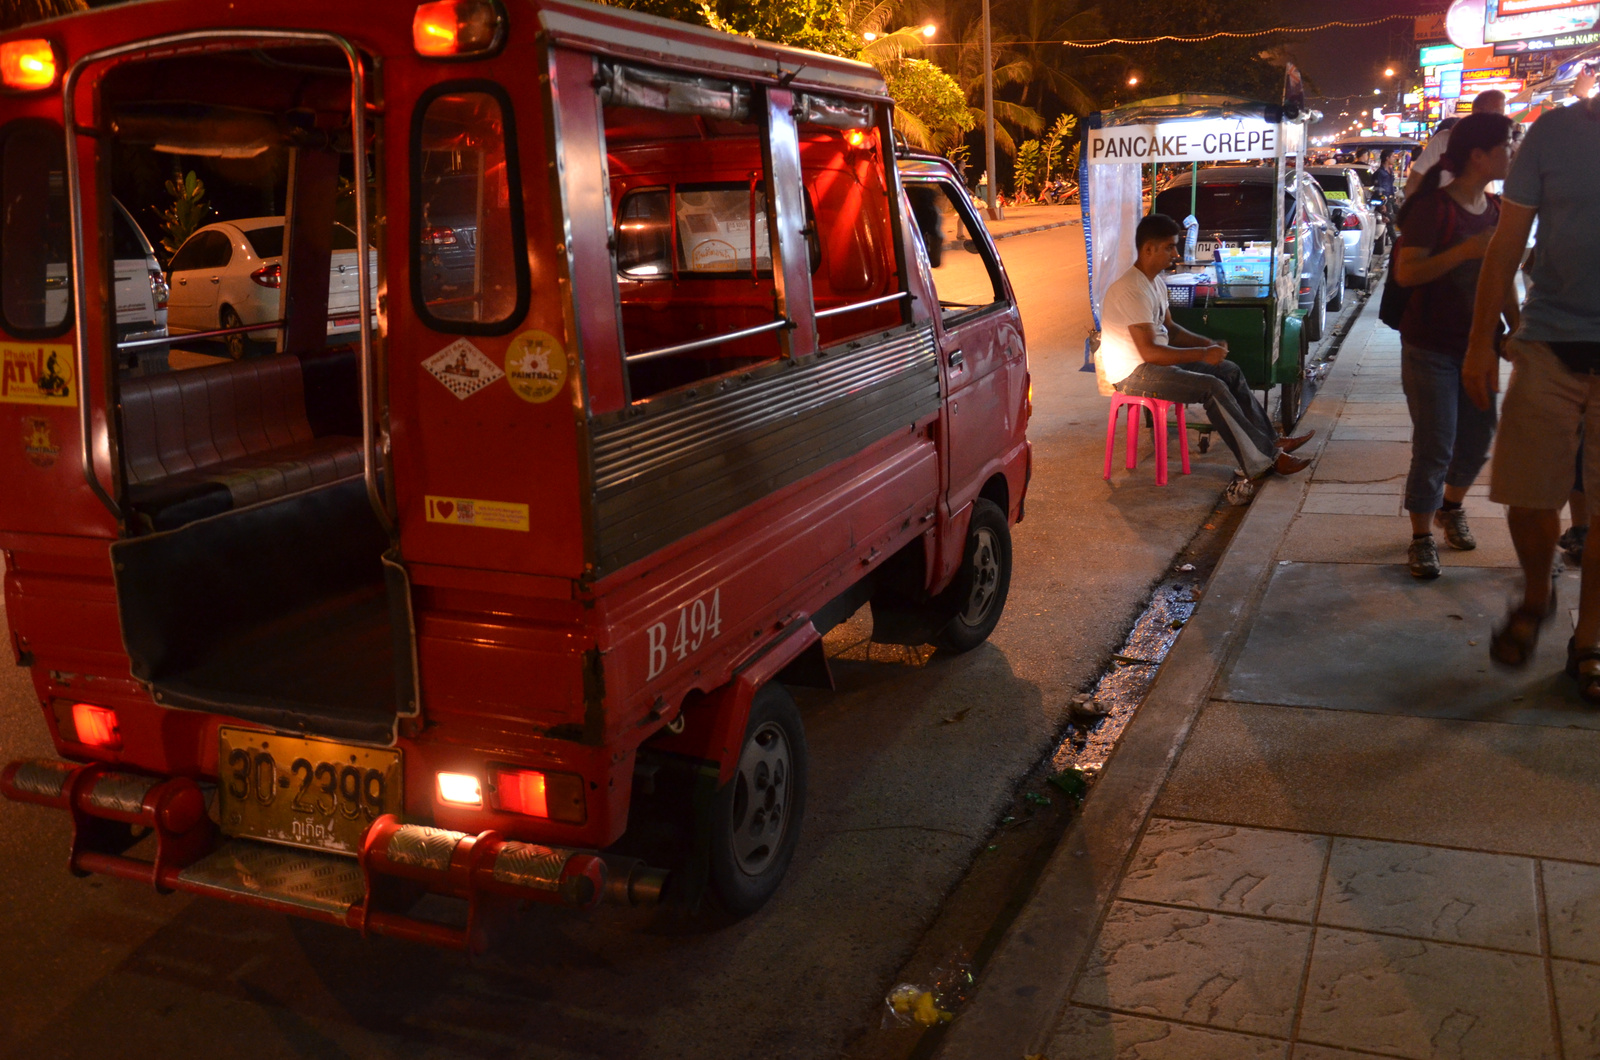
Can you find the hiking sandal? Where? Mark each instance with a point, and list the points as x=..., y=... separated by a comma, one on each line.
x=1585, y=666
x=1513, y=641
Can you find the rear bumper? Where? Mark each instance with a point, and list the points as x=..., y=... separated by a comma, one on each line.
x=370, y=893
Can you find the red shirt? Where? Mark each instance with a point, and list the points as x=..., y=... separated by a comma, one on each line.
x=1439, y=315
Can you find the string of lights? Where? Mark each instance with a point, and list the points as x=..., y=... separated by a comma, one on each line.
x=1221, y=34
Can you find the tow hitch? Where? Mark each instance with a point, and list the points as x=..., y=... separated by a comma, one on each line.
x=398, y=862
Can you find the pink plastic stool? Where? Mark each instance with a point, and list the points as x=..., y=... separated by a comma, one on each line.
x=1158, y=412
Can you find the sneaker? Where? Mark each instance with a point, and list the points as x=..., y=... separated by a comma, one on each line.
x=1572, y=543
x=1423, y=557
x=1453, y=521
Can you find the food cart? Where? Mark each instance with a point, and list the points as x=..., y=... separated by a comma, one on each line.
x=1244, y=294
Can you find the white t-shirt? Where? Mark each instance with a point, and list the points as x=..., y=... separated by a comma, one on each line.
x=1431, y=155
x=1133, y=299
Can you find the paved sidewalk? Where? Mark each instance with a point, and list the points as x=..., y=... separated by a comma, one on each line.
x=1035, y=217
x=1334, y=829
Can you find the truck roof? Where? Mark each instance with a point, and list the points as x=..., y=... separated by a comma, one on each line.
x=612, y=31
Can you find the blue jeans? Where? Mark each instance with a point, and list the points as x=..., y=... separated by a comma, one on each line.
x=1232, y=409
x=1450, y=435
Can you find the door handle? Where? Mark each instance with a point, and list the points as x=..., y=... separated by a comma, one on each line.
x=183, y=282
x=956, y=360
x=216, y=279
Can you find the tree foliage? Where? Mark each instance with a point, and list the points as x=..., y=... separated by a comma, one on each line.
x=929, y=106
x=1028, y=169
x=186, y=213
x=14, y=13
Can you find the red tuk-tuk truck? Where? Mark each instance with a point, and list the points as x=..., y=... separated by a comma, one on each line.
x=661, y=366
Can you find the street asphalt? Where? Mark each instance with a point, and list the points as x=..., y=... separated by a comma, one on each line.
x=902, y=798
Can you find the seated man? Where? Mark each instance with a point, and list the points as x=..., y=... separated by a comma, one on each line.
x=1144, y=354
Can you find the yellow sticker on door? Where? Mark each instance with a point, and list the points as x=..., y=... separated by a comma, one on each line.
x=536, y=366
x=463, y=511
x=31, y=374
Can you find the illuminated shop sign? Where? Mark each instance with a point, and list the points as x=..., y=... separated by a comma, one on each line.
x=1206, y=140
x=1512, y=20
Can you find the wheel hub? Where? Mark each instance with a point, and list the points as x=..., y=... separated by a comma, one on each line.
x=761, y=799
x=985, y=577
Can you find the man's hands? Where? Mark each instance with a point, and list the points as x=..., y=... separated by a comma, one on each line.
x=1216, y=353
x=1480, y=372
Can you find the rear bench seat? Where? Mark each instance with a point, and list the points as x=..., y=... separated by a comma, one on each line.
x=208, y=440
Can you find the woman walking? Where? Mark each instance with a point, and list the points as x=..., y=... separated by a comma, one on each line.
x=1443, y=235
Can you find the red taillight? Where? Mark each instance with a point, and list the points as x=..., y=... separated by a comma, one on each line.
x=438, y=237
x=556, y=796
x=1351, y=221
x=27, y=65
x=96, y=726
x=855, y=137
x=159, y=289
x=269, y=275
x=448, y=28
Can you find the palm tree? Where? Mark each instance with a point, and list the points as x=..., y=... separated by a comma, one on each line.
x=1010, y=68
x=14, y=13
x=1044, y=22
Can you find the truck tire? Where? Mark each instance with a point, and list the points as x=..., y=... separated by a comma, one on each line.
x=978, y=593
x=755, y=822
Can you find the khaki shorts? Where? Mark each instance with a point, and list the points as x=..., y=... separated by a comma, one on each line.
x=1537, y=446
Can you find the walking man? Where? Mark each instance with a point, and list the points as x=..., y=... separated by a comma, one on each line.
x=1555, y=380
x=1144, y=354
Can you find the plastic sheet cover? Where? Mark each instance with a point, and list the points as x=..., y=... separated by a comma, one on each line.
x=633, y=86
x=833, y=113
x=1116, y=202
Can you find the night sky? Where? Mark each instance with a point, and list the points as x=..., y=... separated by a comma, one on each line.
x=1338, y=62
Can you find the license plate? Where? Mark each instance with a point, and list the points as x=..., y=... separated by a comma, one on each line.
x=307, y=793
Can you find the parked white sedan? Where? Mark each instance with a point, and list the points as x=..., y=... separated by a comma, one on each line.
x=229, y=274
x=1355, y=217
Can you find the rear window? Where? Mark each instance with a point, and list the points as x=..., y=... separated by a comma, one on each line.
x=126, y=240
x=266, y=242
x=1334, y=185
x=34, y=279
x=468, y=274
x=1221, y=207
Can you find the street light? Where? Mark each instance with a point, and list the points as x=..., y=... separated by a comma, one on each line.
x=1388, y=72
x=929, y=30
x=1134, y=80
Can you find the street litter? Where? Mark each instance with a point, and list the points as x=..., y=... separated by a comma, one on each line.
x=957, y=716
x=1131, y=661
x=915, y=1004
x=1074, y=782
x=1088, y=707
x=1186, y=566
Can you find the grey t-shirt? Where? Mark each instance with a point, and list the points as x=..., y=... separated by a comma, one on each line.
x=1557, y=173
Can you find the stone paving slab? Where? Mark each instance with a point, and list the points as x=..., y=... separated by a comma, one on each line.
x=1350, y=538
x=1425, y=1000
x=1094, y=1034
x=1432, y=893
x=1362, y=461
x=1572, y=901
x=1353, y=636
x=1229, y=972
x=1228, y=869
x=1471, y=785
x=1577, y=989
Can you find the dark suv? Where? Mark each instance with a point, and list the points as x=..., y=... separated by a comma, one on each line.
x=1235, y=203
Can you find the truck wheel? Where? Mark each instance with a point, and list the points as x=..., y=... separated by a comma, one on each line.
x=756, y=819
x=981, y=585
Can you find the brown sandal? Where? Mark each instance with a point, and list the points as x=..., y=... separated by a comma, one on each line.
x=1584, y=667
x=1514, y=641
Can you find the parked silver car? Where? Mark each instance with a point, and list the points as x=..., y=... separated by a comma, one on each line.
x=1353, y=216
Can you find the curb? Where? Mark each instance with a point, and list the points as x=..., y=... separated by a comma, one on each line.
x=1024, y=988
x=1035, y=228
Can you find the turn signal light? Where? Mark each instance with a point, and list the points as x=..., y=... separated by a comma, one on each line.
x=96, y=726
x=445, y=29
x=269, y=275
x=855, y=137
x=556, y=796
x=460, y=789
x=27, y=65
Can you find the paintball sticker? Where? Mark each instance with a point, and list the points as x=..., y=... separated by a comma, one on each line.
x=461, y=511
x=39, y=442
x=536, y=366
x=462, y=368
x=36, y=375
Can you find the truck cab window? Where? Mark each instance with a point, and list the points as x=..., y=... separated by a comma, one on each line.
x=693, y=241
x=468, y=274
x=34, y=246
x=966, y=275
